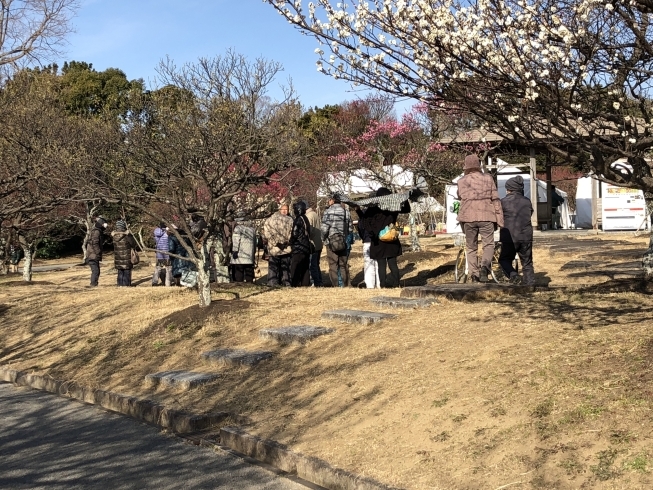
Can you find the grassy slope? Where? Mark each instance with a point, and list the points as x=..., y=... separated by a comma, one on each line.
x=551, y=390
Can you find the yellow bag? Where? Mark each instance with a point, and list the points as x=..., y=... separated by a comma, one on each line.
x=389, y=233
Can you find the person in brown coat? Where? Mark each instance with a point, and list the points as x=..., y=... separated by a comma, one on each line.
x=480, y=214
x=123, y=244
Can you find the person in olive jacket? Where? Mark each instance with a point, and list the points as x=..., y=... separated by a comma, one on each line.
x=123, y=244
x=385, y=253
x=94, y=249
x=517, y=232
x=480, y=214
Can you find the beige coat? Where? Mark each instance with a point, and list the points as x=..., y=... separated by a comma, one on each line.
x=314, y=232
x=277, y=230
x=479, y=199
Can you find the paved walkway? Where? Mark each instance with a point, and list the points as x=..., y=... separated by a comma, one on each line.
x=51, y=442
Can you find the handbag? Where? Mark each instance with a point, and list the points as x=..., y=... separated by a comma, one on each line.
x=389, y=233
x=135, y=259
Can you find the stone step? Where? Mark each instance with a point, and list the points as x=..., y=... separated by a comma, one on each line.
x=467, y=291
x=182, y=379
x=236, y=357
x=394, y=302
x=357, y=316
x=298, y=333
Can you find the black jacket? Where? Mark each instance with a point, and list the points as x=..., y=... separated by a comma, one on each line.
x=517, y=211
x=299, y=241
x=374, y=223
x=123, y=243
x=95, y=243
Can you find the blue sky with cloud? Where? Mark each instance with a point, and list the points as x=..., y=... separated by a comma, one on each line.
x=135, y=35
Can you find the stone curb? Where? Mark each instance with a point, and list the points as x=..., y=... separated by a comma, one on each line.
x=308, y=468
x=269, y=452
x=140, y=409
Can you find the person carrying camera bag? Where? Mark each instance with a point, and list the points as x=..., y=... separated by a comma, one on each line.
x=336, y=225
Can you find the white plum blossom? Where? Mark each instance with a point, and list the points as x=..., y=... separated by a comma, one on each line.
x=567, y=67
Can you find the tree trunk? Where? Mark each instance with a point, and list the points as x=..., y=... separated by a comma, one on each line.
x=27, y=263
x=647, y=259
x=203, y=278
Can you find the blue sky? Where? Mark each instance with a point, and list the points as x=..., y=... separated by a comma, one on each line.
x=134, y=35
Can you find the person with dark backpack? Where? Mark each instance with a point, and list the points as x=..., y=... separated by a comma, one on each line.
x=336, y=225
x=301, y=247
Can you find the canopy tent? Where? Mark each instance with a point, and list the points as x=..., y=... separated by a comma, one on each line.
x=363, y=182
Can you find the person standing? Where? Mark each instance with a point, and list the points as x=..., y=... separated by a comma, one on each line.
x=385, y=252
x=15, y=256
x=277, y=231
x=556, y=201
x=178, y=264
x=94, y=249
x=517, y=232
x=243, y=253
x=301, y=247
x=336, y=225
x=123, y=245
x=162, y=270
x=316, y=239
x=370, y=266
x=480, y=214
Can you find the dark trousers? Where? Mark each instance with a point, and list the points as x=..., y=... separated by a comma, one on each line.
x=314, y=267
x=299, y=275
x=124, y=277
x=484, y=229
x=394, y=271
x=279, y=270
x=243, y=272
x=525, y=252
x=338, y=261
x=95, y=271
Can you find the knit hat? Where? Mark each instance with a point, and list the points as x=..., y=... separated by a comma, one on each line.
x=383, y=191
x=121, y=225
x=471, y=161
x=516, y=184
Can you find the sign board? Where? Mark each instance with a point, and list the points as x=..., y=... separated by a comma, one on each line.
x=622, y=208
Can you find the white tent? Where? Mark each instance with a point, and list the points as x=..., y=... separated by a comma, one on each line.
x=363, y=182
x=584, y=202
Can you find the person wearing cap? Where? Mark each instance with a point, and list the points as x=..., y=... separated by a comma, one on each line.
x=277, y=230
x=336, y=221
x=517, y=232
x=123, y=244
x=94, y=249
x=163, y=269
x=480, y=214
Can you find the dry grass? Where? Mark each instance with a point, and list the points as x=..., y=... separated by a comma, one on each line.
x=552, y=390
